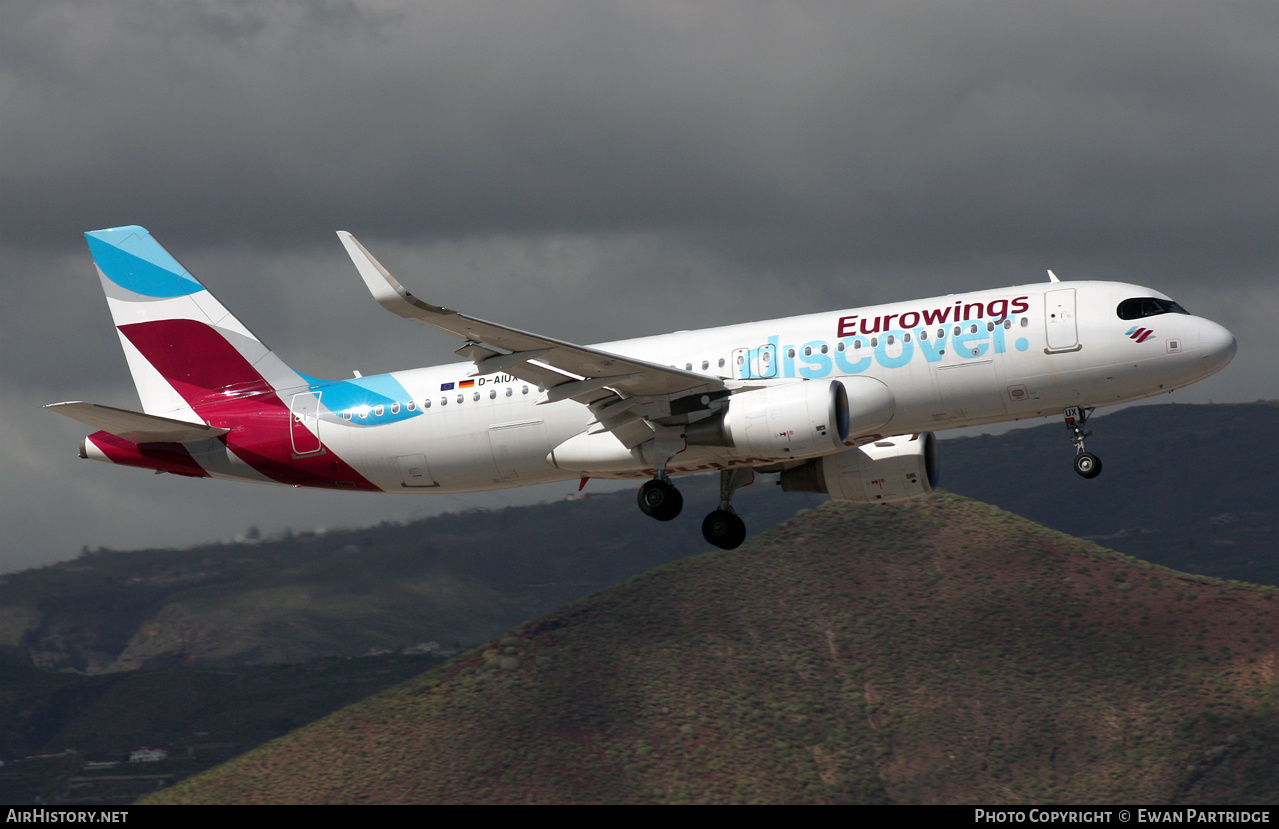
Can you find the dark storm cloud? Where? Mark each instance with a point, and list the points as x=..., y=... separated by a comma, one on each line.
x=707, y=163
x=765, y=128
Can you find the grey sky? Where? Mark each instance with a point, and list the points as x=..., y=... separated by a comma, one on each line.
x=594, y=170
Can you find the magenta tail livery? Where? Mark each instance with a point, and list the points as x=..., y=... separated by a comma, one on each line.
x=843, y=402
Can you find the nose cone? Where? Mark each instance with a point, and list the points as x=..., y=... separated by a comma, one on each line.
x=1217, y=346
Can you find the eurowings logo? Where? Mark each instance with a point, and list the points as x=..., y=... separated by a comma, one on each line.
x=1139, y=334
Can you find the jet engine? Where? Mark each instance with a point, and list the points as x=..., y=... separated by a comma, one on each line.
x=893, y=469
x=796, y=420
x=793, y=420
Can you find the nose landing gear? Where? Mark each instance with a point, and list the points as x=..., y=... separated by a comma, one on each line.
x=1087, y=464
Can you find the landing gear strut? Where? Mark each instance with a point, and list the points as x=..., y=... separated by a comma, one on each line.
x=1087, y=464
x=724, y=527
x=659, y=498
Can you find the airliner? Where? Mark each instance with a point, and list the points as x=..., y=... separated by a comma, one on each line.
x=843, y=402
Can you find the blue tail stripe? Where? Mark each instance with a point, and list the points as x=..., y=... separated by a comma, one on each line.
x=133, y=260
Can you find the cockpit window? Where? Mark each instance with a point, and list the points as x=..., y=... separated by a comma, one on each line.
x=1147, y=306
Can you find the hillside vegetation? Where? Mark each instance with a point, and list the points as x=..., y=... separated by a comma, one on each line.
x=939, y=651
x=1189, y=487
x=456, y=579
x=1184, y=486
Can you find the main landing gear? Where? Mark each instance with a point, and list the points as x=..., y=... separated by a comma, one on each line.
x=660, y=499
x=723, y=527
x=1087, y=464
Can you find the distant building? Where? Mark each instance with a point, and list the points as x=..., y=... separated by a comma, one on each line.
x=148, y=755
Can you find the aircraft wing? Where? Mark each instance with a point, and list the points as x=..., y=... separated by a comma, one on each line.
x=135, y=427
x=566, y=371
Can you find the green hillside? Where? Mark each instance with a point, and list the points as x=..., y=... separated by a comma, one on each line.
x=940, y=651
x=455, y=579
x=1184, y=486
x=1189, y=487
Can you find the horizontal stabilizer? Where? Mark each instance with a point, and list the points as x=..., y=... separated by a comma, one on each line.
x=135, y=427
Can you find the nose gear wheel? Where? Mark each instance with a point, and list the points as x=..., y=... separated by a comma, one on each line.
x=1087, y=464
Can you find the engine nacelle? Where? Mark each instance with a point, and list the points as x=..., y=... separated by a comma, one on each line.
x=794, y=420
x=893, y=469
x=797, y=420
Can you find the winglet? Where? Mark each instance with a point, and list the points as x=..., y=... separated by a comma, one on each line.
x=385, y=288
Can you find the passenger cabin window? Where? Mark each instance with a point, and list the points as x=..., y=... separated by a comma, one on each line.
x=1147, y=306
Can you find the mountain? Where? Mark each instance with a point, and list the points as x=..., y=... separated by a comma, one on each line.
x=456, y=580
x=1184, y=486
x=941, y=651
x=67, y=738
x=1187, y=486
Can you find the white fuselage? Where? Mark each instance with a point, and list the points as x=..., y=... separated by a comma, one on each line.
x=949, y=362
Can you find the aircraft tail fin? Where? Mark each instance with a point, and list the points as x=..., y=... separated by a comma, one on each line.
x=183, y=347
